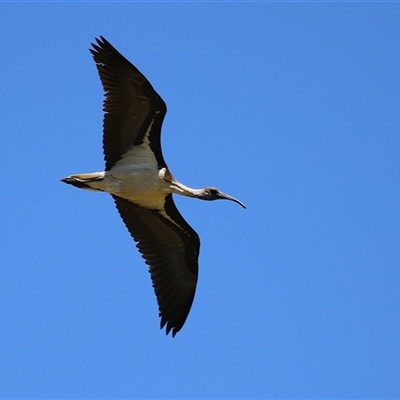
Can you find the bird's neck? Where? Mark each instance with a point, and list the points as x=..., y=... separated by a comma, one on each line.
x=176, y=187
x=179, y=188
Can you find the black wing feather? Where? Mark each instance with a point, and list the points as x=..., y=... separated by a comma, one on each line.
x=171, y=250
x=131, y=105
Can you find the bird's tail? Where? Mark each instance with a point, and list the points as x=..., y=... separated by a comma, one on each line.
x=85, y=181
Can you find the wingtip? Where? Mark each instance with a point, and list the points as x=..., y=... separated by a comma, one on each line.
x=169, y=328
x=100, y=43
x=102, y=40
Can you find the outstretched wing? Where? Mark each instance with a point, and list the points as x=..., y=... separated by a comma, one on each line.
x=133, y=111
x=171, y=249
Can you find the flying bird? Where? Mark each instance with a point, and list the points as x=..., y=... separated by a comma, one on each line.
x=137, y=177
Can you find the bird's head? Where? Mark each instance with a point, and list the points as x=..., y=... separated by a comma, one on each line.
x=211, y=193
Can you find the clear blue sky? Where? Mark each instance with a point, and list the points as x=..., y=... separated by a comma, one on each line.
x=294, y=108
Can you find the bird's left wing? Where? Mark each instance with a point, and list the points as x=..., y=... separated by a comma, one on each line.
x=171, y=248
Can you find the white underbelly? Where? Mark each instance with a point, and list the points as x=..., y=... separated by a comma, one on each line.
x=141, y=185
x=136, y=177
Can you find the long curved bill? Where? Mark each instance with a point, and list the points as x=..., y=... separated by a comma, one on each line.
x=228, y=197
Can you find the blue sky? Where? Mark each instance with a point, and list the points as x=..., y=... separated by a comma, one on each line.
x=291, y=107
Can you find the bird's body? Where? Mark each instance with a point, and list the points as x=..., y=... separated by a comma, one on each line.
x=141, y=184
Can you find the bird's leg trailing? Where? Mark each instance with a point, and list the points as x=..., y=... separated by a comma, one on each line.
x=85, y=181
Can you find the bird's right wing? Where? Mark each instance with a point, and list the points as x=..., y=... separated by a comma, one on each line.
x=171, y=249
x=133, y=110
